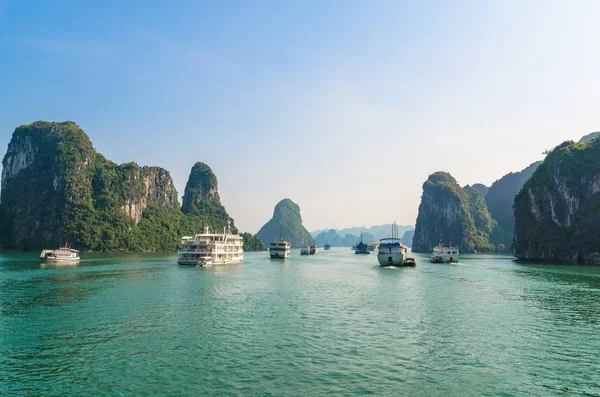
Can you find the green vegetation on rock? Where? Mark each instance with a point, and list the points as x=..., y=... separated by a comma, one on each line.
x=481, y=188
x=252, y=243
x=56, y=187
x=557, y=212
x=287, y=224
x=452, y=215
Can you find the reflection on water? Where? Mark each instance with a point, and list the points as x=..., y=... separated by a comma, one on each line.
x=58, y=265
x=569, y=293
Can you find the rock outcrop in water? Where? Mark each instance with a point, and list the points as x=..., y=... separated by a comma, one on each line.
x=500, y=199
x=452, y=214
x=286, y=223
x=56, y=187
x=557, y=213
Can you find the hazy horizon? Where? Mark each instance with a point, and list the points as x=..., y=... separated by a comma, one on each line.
x=343, y=108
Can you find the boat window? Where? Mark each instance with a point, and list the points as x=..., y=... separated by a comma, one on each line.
x=447, y=252
x=454, y=252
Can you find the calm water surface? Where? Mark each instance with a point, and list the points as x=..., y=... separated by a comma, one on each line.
x=330, y=324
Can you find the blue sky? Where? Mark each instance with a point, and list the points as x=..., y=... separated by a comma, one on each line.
x=343, y=106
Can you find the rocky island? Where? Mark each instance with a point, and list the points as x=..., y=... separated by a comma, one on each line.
x=477, y=218
x=557, y=212
x=452, y=214
x=56, y=187
x=287, y=224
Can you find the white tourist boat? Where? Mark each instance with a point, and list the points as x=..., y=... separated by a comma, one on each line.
x=444, y=254
x=393, y=252
x=280, y=249
x=207, y=249
x=64, y=254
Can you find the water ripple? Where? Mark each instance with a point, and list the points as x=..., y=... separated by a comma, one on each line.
x=330, y=325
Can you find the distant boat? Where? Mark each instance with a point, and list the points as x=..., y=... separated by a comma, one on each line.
x=280, y=249
x=305, y=251
x=313, y=249
x=362, y=248
x=444, y=254
x=63, y=254
x=372, y=247
x=393, y=252
x=327, y=246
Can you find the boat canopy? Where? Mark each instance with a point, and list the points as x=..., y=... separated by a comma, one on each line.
x=390, y=244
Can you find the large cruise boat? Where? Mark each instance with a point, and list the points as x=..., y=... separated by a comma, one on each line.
x=280, y=249
x=207, y=249
x=64, y=254
x=444, y=254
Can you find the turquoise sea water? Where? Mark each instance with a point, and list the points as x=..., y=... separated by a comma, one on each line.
x=331, y=324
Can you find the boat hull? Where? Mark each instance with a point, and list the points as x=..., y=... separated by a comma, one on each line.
x=444, y=259
x=280, y=255
x=197, y=262
x=394, y=259
x=59, y=260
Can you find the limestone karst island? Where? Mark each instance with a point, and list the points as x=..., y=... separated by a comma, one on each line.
x=56, y=186
x=299, y=198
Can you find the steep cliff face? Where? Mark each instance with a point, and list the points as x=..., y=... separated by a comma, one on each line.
x=201, y=201
x=286, y=223
x=147, y=185
x=201, y=187
x=46, y=173
x=557, y=212
x=500, y=200
x=451, y=214
x=56, y=187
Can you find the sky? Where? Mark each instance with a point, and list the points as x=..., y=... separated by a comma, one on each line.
x=345, y=107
